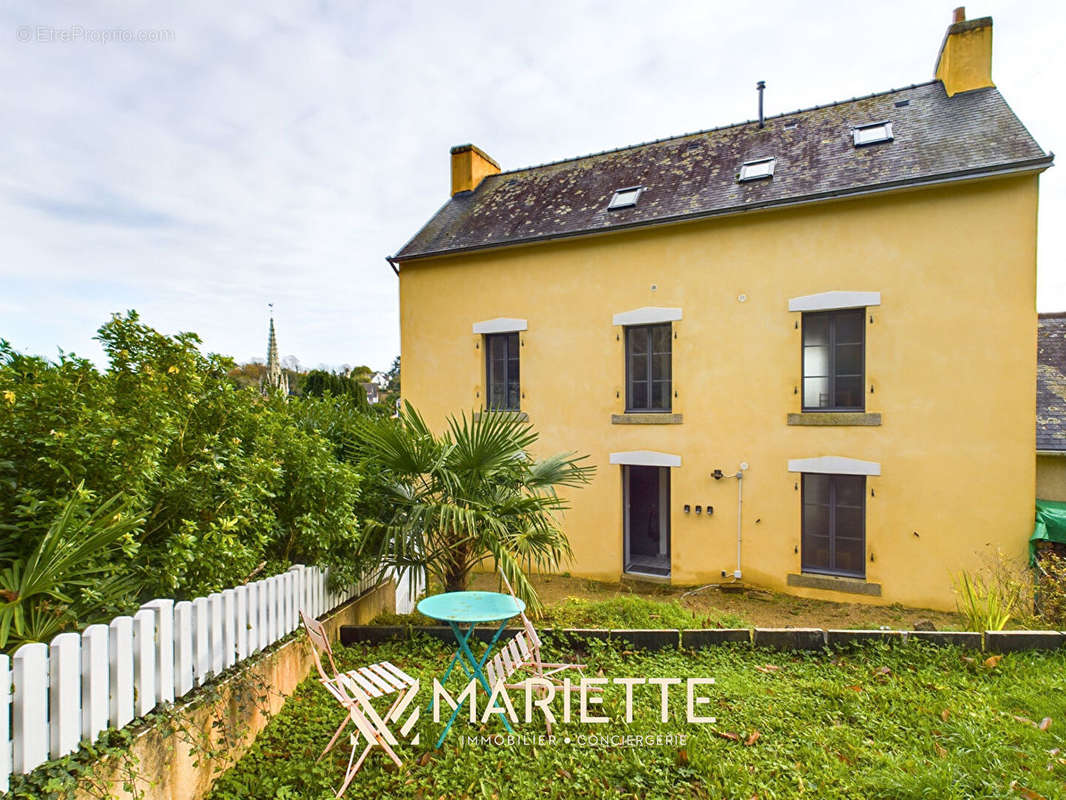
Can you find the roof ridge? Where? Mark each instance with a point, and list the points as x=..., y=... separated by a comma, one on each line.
x=712, y=130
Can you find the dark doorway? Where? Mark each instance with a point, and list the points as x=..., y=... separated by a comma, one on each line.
x=647, y=519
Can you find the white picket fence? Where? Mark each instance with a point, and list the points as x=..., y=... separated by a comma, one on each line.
x=410, y=585
x=52, y=696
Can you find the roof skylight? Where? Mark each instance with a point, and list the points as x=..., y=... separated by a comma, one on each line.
x=872, y=134
x=754, y=170
x=625, y=198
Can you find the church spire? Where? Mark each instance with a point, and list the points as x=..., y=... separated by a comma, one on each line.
x=275, y=379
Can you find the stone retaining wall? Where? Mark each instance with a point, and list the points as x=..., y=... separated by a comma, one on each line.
x=774, y=638
x=165, y=765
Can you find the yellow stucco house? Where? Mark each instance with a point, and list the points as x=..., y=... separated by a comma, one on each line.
x=801, y=350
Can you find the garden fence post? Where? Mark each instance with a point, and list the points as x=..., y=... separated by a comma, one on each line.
x=229, y=628
x=263, y=614
x=120, y=654
x=272, y=611
x=214, y=627
x=29, y=714
x=294, y=602
x=290, y=601
x=284, y=601
x=279, y=606
x=64, y=690
x=264, y=621
x=253, y=617
x=400, y=591
x=164, y=653
x=320, y=588
x=298, y=590
x=95, y=681
x=241, y=593
x=201, y=654
x=5, y=720
x=144, y=672
x=408, y=587
x=255, y=627
x=183, y=661
x=282, y=604
x=301, y=590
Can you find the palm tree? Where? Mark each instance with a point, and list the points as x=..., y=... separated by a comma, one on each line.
x=74, y=575
x=446, y=503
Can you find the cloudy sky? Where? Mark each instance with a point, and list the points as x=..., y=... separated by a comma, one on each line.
x=247, y=153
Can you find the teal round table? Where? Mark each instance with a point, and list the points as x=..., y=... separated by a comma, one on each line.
x=470, y=608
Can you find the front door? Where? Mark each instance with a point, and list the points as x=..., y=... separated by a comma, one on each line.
x=646, y=493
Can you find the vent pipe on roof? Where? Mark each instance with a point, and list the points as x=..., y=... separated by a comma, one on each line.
x=761, y=85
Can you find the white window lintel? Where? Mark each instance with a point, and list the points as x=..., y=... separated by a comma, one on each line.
x=646, y=458
x=648, y=315
x=826, y=301
x=834, y=465
x=500, y=325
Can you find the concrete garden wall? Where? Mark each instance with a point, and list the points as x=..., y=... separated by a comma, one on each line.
x=179, y=754
x=774, y=638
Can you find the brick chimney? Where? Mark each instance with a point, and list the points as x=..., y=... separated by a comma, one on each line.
x=965, y=60
x=470, y=164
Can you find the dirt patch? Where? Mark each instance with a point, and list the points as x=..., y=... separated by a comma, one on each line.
x=760, y=608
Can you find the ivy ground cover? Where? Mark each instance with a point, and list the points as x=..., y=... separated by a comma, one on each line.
x=902, y=721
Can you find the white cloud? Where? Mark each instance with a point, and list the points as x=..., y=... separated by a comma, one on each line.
x=278, y=152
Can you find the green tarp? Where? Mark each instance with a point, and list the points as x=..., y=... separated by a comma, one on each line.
x=1050, y=525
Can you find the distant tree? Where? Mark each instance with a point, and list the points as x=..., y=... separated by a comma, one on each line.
x=296, y=381
x=392, y=377
x=218, y=479
x=361, y=374
x=250, y=374
x=319, y=383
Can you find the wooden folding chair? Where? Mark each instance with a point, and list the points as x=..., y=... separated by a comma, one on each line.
x=354, y=690
x=522, y=652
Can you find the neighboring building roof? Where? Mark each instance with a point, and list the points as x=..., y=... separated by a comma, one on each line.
x=371, y=390
x=1051, y=383
x=936, y=138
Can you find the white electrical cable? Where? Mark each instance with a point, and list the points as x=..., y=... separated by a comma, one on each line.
x=740, y=508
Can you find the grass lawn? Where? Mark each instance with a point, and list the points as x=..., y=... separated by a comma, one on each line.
x=624, y=611
x=756, y=607
x=580, y=603
x=905, y=721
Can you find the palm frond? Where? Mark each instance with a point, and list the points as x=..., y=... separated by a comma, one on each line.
x=70, y=571
x=471, y=493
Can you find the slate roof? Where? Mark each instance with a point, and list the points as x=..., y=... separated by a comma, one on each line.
x=936, y=138
x=1051, y=383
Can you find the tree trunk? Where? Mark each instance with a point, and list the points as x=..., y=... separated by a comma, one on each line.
x=456, y=582
x=455, y=579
